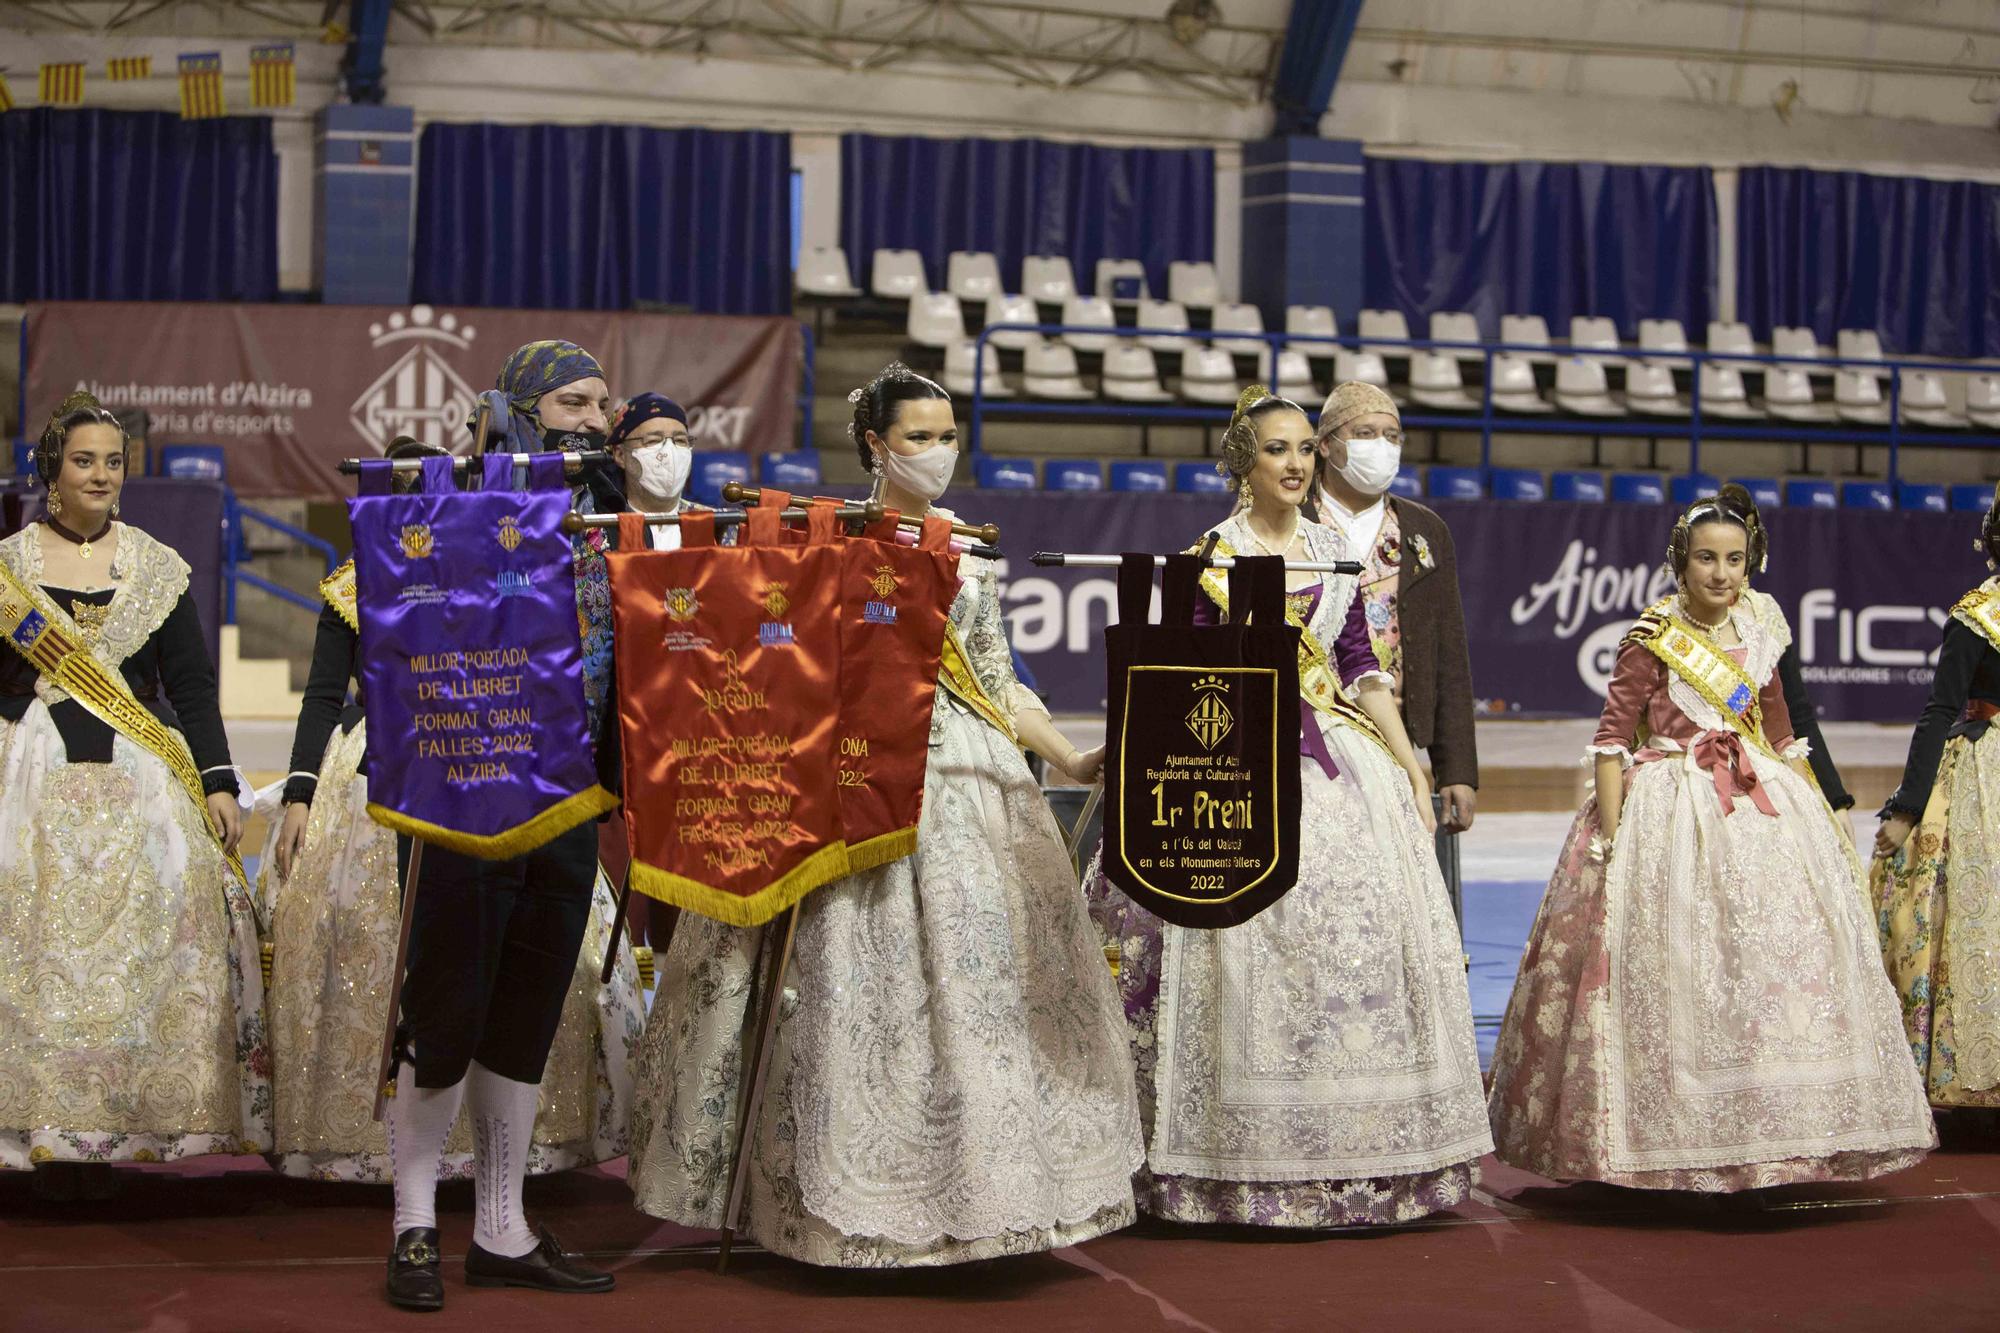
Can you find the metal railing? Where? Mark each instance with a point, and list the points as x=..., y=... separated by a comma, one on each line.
x=233, y=559
x=1488, y=421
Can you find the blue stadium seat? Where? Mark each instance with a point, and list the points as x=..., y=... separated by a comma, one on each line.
x=192, y=462
x=794, y=472
x=1764, y=490
x=1914, y=496
x=712, y=471
x=1685, y=490
x=1455, y=483
x=1131, y=476
x=1577, y=486
x=24, y=458
x=1518, y=483
x=1971, y=498
x=1408, y=483
x=1072, y=474
x=1638, y=488
x=1006, y=474
x=1811, y=495
x=1866, y=495
x=1200, y=478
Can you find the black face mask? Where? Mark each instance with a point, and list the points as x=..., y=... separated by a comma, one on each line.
x=571, y=441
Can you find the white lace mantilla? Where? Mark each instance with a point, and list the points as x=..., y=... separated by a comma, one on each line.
x=149, y=577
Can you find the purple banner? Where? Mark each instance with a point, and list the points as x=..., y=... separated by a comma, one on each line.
x=1549, y=588
x=471, y=666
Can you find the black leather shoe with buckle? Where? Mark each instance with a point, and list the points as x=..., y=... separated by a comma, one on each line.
x=414, y=1281
x=545, y=1268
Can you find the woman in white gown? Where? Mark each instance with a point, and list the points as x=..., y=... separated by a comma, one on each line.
x=948, y=1080
x=1701, y=1005
x=1313, y=1066
x=329, y=885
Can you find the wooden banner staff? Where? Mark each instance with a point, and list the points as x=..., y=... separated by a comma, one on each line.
x=759, y=1069
x=572, y=462
x=847, y=513
x=989, y=533
x=385, y=1072
x=1067, y=560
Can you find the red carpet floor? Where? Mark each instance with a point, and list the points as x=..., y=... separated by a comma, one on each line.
x=223, y=1244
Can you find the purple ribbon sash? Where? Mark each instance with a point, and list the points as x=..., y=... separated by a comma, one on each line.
x=471, y=664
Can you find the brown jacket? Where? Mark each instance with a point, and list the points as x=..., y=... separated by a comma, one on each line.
x=1437, y=670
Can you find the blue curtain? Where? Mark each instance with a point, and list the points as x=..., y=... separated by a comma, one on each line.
x=1554, y=239
x=137, y=206
x=1918, y=261
x=603, y=217
x=1016, y=197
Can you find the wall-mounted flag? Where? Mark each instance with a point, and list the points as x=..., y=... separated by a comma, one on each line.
x=123, y=69
x=273, y=80
x=62, y=85
x=201, y=86
x=6, y=95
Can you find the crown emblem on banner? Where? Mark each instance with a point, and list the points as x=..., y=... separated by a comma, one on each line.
x=415, y=539
x=510, y=533
x=775, y=601
x=884, y=582
x=1210, y=718
x=681, y=603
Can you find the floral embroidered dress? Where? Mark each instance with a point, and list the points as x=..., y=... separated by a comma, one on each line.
x=131, y=1002
x=949, y=1080
x=1938, y=899
x=1314, y=1066
x=334, y=926
x=1380, y=577
x=1705, y=1008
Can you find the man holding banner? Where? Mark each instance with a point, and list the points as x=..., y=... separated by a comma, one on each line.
x=485, y=650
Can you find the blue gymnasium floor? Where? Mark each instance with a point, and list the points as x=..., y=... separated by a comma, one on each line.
x=1498, y=915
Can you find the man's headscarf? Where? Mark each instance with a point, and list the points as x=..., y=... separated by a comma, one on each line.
x=641, y=408
x=1351, y=400
x=533, y=370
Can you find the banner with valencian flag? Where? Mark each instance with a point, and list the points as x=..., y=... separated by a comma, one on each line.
x=273, y=79
x=471, y=664
x=201, y=86
x=6, y=94
x=124, y=69
x=727, y=660
x=62, y=84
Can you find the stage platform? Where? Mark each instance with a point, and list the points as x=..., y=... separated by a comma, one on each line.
x=223, y=1245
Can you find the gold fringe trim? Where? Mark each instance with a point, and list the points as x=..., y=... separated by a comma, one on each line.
x=559, y=818
x=339, y=590
x=734, y=909
x=881, y=849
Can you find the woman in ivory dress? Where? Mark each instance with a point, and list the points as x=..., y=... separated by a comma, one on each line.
x=948, y=1080
x=1315, y=1065
x=334, y=907
x=1936, y=878
x=1701, y=1005
x=131, y=1004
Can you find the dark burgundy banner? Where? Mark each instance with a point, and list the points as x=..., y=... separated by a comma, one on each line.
x=290, y=390
x=1549, y=589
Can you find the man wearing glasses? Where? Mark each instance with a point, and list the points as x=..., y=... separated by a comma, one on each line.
x=1409, y=587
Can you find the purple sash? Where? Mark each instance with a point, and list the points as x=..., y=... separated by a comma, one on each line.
x=471, y=668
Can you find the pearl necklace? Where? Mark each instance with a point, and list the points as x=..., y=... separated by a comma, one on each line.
x=1712, y=631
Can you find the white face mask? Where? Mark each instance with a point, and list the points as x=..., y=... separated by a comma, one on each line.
x=924, y=475
x=663, y=469
x=1372, y=465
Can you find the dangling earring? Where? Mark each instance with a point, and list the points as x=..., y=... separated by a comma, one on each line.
x=114, y=509
x=55, y=503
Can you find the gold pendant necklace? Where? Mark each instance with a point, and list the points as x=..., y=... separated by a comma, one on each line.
x=83, y=550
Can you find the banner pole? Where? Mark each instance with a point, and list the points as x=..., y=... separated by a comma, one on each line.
x=1083, y=822
x=385, y=1080
x=753, y=1098
x=1072, y=560
x=617, y=926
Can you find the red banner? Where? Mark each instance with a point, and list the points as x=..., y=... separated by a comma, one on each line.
x=290, y=390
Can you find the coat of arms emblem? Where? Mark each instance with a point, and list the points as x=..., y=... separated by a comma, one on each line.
x=415, y=539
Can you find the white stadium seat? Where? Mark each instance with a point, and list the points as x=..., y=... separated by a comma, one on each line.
x=1110, y=272
x=1388, y=324
x=1923, y=402
x=936, y=320
x=1595, y=333
x=1858, y=397
x=1047, y=279
x=958, y=372
x=1456, y=326
x=1435, y=381
x=972, y=275
x=823, y=271
x=1208, y=375
x=1132, y=376
x=1527, y=331
x=1195, y=285
x=1238, y=317
x=1649, y=390
x=1982, y=401
x=1093, y=311
x=1295, y=377
x=1722, y=393
x=1052, y=373
x=1794, y=342
x=1581, y=387
x=1317, y=320
x=1724, y=337
x=1012, y=310
x=898, y=275
x=1513, y=388
x=1163, y=326
x=1858, y=345
x=1788, y=396
x=1360, y=367
x=1664, y=341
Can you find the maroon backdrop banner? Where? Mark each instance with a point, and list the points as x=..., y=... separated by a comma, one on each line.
x=290, y=390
